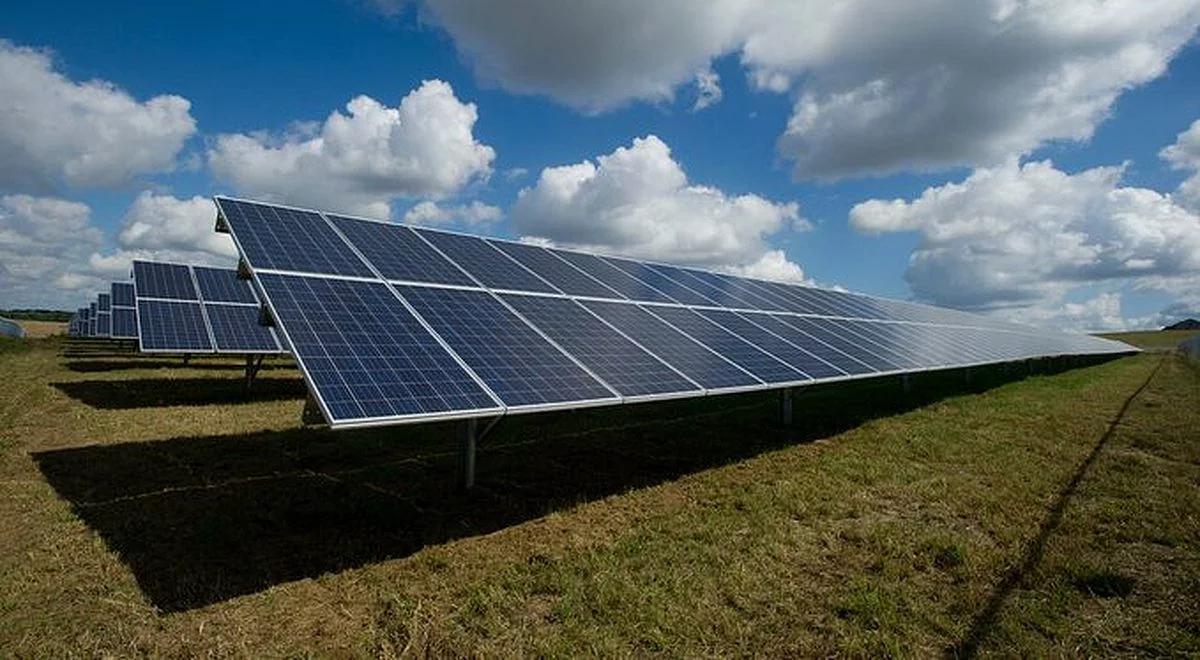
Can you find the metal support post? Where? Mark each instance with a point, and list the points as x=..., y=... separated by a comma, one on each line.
x=253, y=364
x=186, y=357
x=469, y=430
x=906, y=382
x=785, y=406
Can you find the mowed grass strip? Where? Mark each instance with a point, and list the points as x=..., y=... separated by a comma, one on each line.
x=1153, y=340
x=697, y=528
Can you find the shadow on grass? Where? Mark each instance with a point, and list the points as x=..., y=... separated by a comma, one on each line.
x=163, y=392
x=199, y=520
x=131, y=363
x=1101, y=584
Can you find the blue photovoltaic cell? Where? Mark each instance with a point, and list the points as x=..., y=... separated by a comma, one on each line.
x=665, y=285
x=236, y=329
x=517, y=363
x=485, y=263
x=567, y=278
x=158, y=280
x=870, y=339
x=103, y=324
x=124, y=323
x=811, y=344
x=168, y=325
x=279, y=238
x=104, y=302
x=122, y=294
x=735, y=288
x=611, y=276
x=759, y=288
x=398, y=253
x=630, y=370
x=751, y=358
x=697, y=362
x=823, y=330
x=367, y=356
x=722, y=295
x=223, y=285
x=913, y=354
x=796, y=356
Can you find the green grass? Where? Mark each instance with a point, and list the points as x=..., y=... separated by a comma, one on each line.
x=150, y=509
x=1153, y=339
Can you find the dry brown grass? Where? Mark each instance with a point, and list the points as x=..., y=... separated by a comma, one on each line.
x=39, y=329
x=148, y=509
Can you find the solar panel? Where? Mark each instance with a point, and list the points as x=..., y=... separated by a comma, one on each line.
x=825, y=331
x=698, y=363
x=287, y=239
x=796, y=355
x=163, y=281
x=103, y=324
x=870, y=337
x=612, y=277
x=366, y=356
x=485, y=263
x=122, y=294
x=562, y=275
x=471, y=326
x=519, y=365
x=223, y=285
x=236, y=329
x=398, y=253
x=124, y=323
x=625, y=366
x=726, y=290
x=104, y=302
x=764, y=366
x=822, y=350
x=172, y=326
x=671, y=288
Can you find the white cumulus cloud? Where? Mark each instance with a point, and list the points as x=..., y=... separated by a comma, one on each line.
x=56, y=132
x=164, y=222
x=44, y=245
x=472, y=214
x=1185, y=155
x=1026, y=235
x=880, y=86
x=637, y=201
x=360, y=161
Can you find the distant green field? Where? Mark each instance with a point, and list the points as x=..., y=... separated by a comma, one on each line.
x=152, y=509
x=1152, y=339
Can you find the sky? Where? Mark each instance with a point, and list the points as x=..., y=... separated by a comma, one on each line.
x=1033, y=159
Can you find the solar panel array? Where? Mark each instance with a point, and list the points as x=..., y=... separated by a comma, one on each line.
x=393, y=324
x=124, y=311
x=196, y=309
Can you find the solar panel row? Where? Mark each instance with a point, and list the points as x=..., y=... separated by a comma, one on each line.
x=197, y=309
x=393, y=323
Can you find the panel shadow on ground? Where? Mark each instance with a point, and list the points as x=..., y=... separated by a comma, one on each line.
x=199, y=520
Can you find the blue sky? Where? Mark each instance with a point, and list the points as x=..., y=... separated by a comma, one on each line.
x=254, y=69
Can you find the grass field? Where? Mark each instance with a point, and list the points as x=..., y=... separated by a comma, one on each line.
x=43, y=328
x=148, y=508
x=1153, y=340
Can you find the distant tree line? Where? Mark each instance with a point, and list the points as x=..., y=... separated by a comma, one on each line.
x=36, y=315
